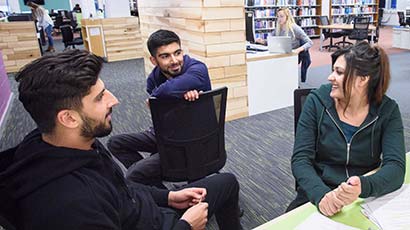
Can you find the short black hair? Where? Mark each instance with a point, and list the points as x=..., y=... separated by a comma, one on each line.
x=160, y=38
x=56, y=82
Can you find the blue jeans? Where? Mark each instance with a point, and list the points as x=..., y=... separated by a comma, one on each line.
x=304, y=57
x=49, y=30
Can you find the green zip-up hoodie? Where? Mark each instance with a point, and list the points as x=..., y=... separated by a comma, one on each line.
x=322, y=159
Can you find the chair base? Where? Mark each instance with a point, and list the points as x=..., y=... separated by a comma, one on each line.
x=344, y=43
x=329, y=47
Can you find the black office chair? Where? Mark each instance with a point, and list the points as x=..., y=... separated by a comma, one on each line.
x=299, y=98
x=190, y=135
x=68, y=37
x=402, y=18
x=324, y=20
x=346, y=33
x=360, y=28
x=376, y=37
x=8, y=207
x=380, y=18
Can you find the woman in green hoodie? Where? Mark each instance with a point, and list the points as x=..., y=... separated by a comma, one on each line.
x=346, y=129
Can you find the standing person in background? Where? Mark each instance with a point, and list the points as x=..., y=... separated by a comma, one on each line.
x=45, y=21
x=77, y=8
x=346, y=129
x=286, y=26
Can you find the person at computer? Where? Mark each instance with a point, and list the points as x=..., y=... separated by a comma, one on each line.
x=62, y=176
x=346, y=129
x=286, y=26
x=44, y=20
x=175, y=76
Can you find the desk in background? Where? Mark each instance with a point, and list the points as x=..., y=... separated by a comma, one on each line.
x=401, y=38
x=272, y=78
x=350, y=215
x=372, y=28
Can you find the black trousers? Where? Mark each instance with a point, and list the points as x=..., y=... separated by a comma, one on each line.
x=222, y=198
x=304, y=57
x=127, y=147
x=300, y=199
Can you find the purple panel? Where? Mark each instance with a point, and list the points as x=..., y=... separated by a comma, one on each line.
x=4, y=87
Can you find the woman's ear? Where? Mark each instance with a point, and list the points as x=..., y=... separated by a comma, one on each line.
x=364, y=80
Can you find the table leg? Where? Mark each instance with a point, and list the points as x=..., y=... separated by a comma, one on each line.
x=321, y=38
x=372, y=37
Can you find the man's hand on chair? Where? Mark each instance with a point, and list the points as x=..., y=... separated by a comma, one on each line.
x=191, y=95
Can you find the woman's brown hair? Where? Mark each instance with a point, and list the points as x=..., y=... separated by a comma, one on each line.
x=362, y=60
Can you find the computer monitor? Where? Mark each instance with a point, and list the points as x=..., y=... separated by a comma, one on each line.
x=19, y=17
x=250, y=26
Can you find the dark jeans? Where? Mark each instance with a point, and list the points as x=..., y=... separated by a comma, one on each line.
x=127, y=147
x=300, y=199
x=222, y=198
x=304, y=57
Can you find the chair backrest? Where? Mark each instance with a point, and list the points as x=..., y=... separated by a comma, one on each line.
x=190, y=135
x=324, y=21
x=361, y=23
x=299, y=98
x=402, y=19
x=67, y=33
x=360, y=28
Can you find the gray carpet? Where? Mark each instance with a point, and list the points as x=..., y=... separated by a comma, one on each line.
x=259, y=147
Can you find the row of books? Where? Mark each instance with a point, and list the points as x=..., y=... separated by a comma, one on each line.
x=303, y=12
x=270, y=24
x=352, y=2
x=353, y=10
x=264, y=35
x=265, y=13
x=279, y=2
x=265, y=24
x=295, y=12
x=342, y=19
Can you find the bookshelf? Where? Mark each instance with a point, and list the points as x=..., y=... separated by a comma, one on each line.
x=341, y=9
x=305, y=12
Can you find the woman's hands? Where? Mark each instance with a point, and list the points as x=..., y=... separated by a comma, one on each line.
x=343, y=195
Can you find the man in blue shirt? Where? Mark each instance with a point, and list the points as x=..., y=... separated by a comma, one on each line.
x=175, y=76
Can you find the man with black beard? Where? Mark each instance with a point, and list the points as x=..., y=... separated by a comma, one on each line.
x=61, y=177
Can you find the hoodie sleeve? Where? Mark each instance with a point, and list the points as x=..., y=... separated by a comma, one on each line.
x=195, y=77
x=304, y=153
x=391, y=174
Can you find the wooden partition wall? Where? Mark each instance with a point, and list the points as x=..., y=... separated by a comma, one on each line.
x=19, y=44
x=212, y=31
x=113, y=38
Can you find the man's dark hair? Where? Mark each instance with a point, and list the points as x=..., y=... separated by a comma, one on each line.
x=160, y=38
x=56, y=82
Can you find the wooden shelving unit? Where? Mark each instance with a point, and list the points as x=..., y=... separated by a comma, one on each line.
x=305, y=12
x=113, y=38
x=341, y=9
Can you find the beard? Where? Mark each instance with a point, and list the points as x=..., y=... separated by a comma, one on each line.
x=92, y=128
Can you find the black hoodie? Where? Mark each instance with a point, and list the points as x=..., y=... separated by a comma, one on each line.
x=63, y=188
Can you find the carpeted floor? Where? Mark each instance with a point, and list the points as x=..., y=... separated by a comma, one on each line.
x=259, y=147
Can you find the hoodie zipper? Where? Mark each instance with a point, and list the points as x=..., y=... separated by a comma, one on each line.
x=348, y=143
